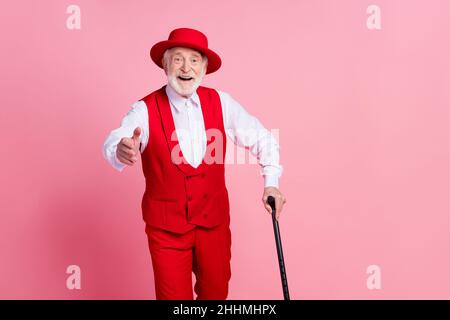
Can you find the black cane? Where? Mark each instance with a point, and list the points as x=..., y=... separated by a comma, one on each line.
x=276, y=230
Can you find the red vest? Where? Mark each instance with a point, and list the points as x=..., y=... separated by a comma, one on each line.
x=177, y=196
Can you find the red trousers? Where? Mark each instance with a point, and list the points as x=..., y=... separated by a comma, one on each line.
x=206, y=252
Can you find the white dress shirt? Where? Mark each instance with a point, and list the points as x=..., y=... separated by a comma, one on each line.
x=187, y=114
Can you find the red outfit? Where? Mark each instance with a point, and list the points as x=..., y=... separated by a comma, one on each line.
x=186, y=209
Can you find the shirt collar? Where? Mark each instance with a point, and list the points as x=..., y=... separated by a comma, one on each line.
x=178, y=101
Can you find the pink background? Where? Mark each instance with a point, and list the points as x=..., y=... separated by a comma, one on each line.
x=364, y=132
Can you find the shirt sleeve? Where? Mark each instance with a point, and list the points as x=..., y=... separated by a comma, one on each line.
x=245, y=130
x=137, y=116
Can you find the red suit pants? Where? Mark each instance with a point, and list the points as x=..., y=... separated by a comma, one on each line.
x=205, y=252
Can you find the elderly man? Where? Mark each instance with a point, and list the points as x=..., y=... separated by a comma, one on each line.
x=177, y=129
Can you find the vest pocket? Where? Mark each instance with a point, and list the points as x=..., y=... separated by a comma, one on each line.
x=159, y=213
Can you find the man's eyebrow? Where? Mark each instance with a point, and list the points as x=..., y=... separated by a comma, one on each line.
x=197, y=55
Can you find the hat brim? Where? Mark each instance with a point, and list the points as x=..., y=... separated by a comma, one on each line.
x=157, y=52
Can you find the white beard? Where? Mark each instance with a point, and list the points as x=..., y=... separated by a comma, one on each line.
x=173, y=81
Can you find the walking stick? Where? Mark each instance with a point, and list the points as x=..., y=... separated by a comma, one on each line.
x=276, y=230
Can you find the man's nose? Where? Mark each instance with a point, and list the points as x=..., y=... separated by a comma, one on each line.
x=185, y=67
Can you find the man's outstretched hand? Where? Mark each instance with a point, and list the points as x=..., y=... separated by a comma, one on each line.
x=128, y=148
x=280, y=200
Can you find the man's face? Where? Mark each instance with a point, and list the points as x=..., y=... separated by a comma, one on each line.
x=185, y=69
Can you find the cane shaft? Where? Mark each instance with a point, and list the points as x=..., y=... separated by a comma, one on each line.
x=276, y=230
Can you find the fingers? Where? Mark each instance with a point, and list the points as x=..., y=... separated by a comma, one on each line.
x=280, y=200
x=126, y=151
x=268, y=208
x=278, y=206
x=127, y=142
x=266, y=205
x=125, y=161
x=125, y=156
x=128, y=148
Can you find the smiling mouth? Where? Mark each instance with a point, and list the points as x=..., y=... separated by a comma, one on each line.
x=185, y=78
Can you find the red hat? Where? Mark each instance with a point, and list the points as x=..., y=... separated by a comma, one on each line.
x=189, y=38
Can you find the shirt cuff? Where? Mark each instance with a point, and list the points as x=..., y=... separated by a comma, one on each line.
x=270, y=181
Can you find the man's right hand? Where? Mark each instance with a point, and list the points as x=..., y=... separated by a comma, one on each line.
x=128, y=148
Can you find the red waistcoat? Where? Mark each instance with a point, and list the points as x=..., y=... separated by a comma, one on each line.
x=177, y=196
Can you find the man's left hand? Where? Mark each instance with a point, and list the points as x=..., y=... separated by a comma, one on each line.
x=280, y=200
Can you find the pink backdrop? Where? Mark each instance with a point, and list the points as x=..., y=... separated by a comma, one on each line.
x=363, y=118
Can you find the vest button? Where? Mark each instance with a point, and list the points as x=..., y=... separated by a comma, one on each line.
x=203, y=175
x=190, y=198
x=205, y=216
x=205, y=196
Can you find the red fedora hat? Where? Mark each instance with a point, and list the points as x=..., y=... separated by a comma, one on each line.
x=189, y=38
